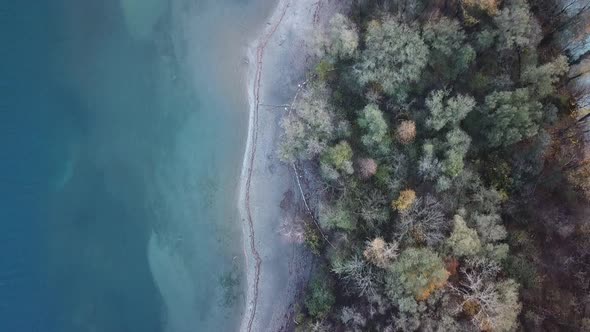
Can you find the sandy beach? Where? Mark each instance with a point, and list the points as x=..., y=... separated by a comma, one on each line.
x=276, y=269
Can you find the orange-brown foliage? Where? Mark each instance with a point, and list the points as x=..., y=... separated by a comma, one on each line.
x=452, y=264
x=406, y=132
x=430, y=288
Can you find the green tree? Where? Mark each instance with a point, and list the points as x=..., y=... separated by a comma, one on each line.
x=375, y=129
x=324, y=69
x=511, y=116
x=445, y=110
x=309, y=127
x=417, y=273
x=489, y=227
x=457, y=145
x=394, y=56
x=517, y=26
x=542, y=79
x=337, y=160
x=320, y=298
x=336, y=216
x=506, y=318
x=408, y=10
x=463, y=240
x=485, y=39
x=449, y=54
x=342, y=38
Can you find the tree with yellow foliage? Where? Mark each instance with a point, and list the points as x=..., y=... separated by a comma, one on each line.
x=490, y=7
x=404, y=201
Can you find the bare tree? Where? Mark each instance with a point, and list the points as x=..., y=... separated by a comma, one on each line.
x=479, y=298
x=492, y=305
x=569, y=17
x=293, y=231
x=424, y=222
x=358, y=274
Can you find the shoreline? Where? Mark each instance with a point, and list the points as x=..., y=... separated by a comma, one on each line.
x=275, y=271
x=255, y=55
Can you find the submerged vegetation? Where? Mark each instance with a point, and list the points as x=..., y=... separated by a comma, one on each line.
x=453, y=183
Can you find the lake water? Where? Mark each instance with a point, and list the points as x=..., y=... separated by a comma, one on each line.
x=123, y=130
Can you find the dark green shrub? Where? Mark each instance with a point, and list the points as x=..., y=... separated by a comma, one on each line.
x=320, y=297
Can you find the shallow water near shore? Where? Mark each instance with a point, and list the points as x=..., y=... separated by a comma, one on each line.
x=124, y=132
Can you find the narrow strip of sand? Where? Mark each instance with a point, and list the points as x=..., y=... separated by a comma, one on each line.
x=276, y=269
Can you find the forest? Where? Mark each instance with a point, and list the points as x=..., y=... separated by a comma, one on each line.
x=443, y=151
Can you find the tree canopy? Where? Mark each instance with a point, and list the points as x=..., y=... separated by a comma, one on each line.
x=394, y=56
x=442, y=156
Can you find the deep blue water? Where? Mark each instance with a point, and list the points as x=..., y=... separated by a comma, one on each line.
x=51, y=218
x=121, y=147
x=35, y=119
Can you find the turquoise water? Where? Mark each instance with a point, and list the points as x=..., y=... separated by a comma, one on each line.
x=124, y=123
